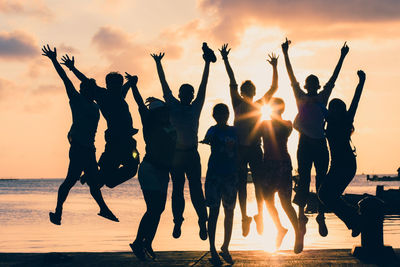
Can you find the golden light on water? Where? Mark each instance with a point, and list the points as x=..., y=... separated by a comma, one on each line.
x=268, y=238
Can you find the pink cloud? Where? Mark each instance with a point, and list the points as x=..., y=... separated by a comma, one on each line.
x=34, y=8
x=124, y=53
x=17, y=45
x=232, y=17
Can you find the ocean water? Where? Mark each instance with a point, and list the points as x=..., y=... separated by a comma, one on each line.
x=25, y=227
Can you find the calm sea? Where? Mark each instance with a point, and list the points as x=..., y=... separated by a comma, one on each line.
x=25, y=227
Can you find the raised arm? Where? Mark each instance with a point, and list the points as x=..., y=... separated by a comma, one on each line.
x=167, y=94
x=70, y=64
x=232, y=81
x=71, y=91
x=295, y=85
x=125, y=88
x=201, y=93
x=357, y=94
x=132, y=83
x=273, y=60
x=326, y=92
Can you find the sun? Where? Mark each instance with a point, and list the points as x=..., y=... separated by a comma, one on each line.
x=266, y=112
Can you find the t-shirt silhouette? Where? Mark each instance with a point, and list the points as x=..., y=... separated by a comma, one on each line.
x=85, y=118
x=185, y=119
x=224, y=145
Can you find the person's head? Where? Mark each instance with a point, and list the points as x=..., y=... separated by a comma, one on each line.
x=221, y=113
x=247, y=89
x=158, y=111
x=336, y=108
x=87, y=88
x=186, y=94
x=277, y=106
x=312, y=84
x=114, y=82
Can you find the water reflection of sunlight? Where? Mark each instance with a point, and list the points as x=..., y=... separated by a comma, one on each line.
x=267, y=239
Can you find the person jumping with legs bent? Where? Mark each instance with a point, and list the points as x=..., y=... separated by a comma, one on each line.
x=82, y=153
x=312, y=146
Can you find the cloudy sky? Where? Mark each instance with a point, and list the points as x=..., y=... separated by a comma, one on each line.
x=107, y=35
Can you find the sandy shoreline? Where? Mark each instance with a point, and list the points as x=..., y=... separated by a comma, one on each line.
x=332, y=257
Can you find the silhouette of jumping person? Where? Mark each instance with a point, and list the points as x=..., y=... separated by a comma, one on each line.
x=184, y=116
x=221, y=179
x=278, y=171
x=247, y=119
x=312, y=146
x=120, y=159
x=160, y=138
x=339, y=129
x=82, y=152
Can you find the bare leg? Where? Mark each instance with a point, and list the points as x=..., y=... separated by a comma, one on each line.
x=212, y=225
x=269, y=201
x=291, y=213
x=63, y=192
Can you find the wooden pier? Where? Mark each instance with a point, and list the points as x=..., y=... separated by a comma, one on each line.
x=331, y=257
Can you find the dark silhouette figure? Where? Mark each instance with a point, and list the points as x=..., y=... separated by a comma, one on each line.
x=247, y=121
x=312, y=146
x=221, y=179
x=82, y=153
x=184, y=116
x=343, y=165
x=278, y=171
x=160, y=138
x=120, y=159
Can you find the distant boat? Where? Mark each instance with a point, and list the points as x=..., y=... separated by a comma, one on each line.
x=376, y=178
x=384, y=178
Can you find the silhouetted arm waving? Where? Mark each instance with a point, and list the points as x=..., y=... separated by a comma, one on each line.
x=70, y=64
x=295, y=85
x=235, y=97
x=201, y=93
x=326, y=92
x=167, y=93
x=357, y=94
x=71, y=91
x=132, y=83
x=273, y=60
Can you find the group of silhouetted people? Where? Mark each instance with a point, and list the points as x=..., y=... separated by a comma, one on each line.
x=170, y=132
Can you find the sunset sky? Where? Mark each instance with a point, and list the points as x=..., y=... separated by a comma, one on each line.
x=119, y=35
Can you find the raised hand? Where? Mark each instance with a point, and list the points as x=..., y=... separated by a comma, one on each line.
x=285, y=45
x=48, y=53
x=361, y=75
x=151, y=99
x=68, y=62
x=344, y=50
x=131, y=79
x=224, y=51
x=158, y=57
x=273, y=59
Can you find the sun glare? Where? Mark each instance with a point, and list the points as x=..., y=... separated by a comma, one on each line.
x=266, y=112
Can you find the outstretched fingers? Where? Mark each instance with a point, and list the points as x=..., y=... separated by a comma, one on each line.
x=224, y=50
x=273, y=59
x=158, y=57
x=48, y=52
